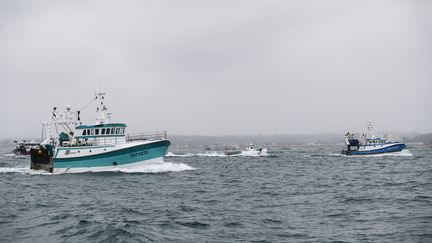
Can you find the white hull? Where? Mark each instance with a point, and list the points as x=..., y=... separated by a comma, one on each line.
x=136, y=165
x=254, y=153
x=77, y=152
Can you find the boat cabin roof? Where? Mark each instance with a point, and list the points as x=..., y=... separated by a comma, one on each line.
x=101, y=125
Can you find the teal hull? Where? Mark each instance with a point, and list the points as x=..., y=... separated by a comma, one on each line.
x=119, y=157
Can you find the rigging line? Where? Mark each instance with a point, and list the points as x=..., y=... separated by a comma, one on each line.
x=63, y=125
x=42, y=135
x=56, y=127
x=70, y=130
x=88, y=104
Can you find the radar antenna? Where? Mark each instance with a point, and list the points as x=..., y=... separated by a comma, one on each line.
x=370, y=126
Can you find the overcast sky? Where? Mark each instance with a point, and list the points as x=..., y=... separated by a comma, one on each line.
x=219, y=67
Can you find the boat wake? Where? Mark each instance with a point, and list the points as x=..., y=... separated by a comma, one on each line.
x=403, y=153
x=9, y=155
x=155, y=168
x=12, y=155
x=209, y=154
x=22, y=170
x=264, y=153
x=150, y=168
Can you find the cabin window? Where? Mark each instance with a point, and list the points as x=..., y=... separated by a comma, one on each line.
x=84, y=132
x=117, y=130
x=97, y=131
x=112, y=130
x=122, y=131
x=103, y=131
x=88, y=131
x=92, y=132
x=108, y=131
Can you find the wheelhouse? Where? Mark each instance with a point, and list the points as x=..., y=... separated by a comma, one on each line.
x=375, y=141
x=102, y=130
x=96, y=135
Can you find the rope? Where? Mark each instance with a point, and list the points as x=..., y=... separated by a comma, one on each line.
x=88, y=104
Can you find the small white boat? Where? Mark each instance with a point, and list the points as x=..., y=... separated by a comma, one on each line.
x=250, y=150
x=370, y=144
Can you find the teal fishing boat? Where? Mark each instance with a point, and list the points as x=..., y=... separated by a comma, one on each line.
x=69, y=146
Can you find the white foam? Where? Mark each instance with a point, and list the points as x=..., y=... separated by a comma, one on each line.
x=208, y=154
x=403, y=153
x=211, y=154
x=264, y=152
x=337, y=155
x=150, y=168
x=170, y=154
x=218, y=154
x=155, y=168
x=10, y=170
x=9, y=155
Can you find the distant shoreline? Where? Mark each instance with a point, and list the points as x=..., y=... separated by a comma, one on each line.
x=283, y=140
x=270, y=140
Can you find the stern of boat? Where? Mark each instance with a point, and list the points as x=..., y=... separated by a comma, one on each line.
x=42, y=158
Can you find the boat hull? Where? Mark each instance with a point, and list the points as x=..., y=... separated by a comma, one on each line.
x=130, y=156
x=378, y=149
x=232, y=152
x=130, y=166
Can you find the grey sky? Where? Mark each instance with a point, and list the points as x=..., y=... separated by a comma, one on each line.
x=220, y=67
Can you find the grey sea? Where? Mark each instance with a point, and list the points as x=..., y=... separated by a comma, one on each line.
x=295, y=194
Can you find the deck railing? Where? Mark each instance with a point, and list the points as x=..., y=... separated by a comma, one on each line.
x=159, y=135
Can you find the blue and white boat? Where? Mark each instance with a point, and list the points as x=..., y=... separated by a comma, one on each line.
x=370, y=144
x=70, y=146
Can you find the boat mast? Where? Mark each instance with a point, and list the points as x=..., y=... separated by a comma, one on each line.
x=104, y=116
x=369, y=128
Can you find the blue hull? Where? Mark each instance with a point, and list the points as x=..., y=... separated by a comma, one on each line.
x=390, y=149
x=119, y=157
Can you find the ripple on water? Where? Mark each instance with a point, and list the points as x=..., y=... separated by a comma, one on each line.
x=302, y=194
x=193, y=224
